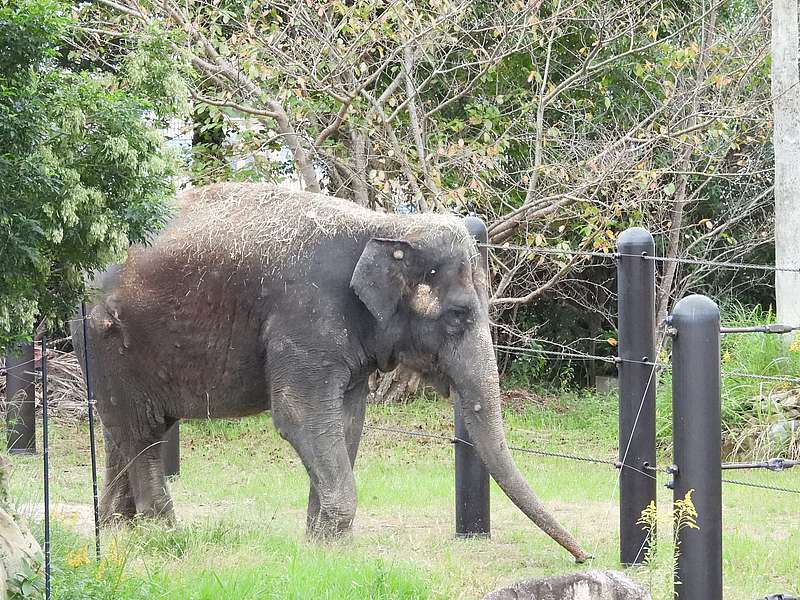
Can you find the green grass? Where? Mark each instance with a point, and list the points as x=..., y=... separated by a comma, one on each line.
x=241, y=503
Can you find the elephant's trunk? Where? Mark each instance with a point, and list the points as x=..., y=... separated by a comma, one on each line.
x=477, y=388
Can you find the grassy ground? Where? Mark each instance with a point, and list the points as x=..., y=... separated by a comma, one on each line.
x=241, y=503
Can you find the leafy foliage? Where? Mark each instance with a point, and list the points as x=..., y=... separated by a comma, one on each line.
x=560, y=124
x=82, y=174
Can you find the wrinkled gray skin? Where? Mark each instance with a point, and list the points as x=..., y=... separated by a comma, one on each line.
x=256, y=298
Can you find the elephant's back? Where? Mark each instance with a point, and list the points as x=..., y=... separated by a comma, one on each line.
x=272, y=228
x=245, y=224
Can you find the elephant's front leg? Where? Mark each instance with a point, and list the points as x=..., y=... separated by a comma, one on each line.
x=308, y=412
x=353, y=409
x=116, y=502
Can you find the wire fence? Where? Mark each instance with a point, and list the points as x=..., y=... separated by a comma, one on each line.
x=772, y=464
x=575, y=355
x=687, y=260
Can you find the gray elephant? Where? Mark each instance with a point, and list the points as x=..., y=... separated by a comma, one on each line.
x=256, y=298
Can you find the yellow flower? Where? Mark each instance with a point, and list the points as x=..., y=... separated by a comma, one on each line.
x=795, y=345
x=114, y=556
x=612, y=341
x=726, y=356
x=78, y=558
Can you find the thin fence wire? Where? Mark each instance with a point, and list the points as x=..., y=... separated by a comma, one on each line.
x=771, y=464
x=578, y=355
x=616, y=360
x=624, y=457
x=564, y=455
x=552, y=251
x=456, y=440
x=588, y=459
x=762, y=486
x=781, y=378
x=689, y=260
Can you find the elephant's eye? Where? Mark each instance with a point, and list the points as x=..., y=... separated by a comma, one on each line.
x=458, y=314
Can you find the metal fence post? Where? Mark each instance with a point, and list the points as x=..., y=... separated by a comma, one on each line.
x=637, y=389
x=472, y=477
x=21, y=401
x=46, y=470
x=171, y=451
x=92, y=440
x=696, y=446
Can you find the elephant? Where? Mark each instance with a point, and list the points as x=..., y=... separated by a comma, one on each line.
x=255, y=298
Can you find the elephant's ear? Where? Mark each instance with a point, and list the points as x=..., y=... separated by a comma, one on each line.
x=380, y=276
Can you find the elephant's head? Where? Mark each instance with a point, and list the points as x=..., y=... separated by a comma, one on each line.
x=428, y=294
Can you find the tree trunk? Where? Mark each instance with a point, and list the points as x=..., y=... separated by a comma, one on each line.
x=786, y=143
x=684, y=164
x=398, y=386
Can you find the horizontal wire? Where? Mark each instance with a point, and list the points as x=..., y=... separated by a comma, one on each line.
x=550, y=251
x=457, y=440
x=554, y=353
x=616, y=359
x=762, y=486
x=690, y=260
x=783, y=378
x=771, y=328
x=547, y=453
x=422, y=434
x=773, y=464
x=581, y=355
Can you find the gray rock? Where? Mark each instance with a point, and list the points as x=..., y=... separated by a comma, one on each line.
x=589, y=585
x=605, y=384
x=781, y=432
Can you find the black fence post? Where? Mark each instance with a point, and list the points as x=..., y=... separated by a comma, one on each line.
x=171, y=451
x=472, y=477
x=92, y=437
x=637, y=389
x=21, y=401
x=696, y=447
x=46, y=470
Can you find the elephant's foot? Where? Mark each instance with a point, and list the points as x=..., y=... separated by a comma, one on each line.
x=327, y=525
x=118, y=509
x=160, y=510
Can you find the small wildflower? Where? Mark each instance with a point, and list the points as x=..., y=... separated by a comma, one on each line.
x=795, y=345
x=78, y=558
x=726, y=356
x=114, y=556
x=649, y=516
x=612, y=341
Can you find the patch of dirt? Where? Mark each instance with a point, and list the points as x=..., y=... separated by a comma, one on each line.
x=80, y=517
x=519, y=400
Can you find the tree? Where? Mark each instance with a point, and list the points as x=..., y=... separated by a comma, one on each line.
x=82, y=173
x=560, y=123
x=786, y=143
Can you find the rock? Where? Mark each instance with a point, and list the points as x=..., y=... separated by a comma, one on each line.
x=787, y=402
x=20, y=554
x=589, y=585
x=20, y=558
x=605, y=384
x=781, y=432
